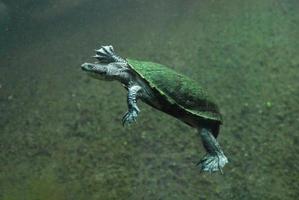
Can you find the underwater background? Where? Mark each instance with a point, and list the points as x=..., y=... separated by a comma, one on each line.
x=61, y=135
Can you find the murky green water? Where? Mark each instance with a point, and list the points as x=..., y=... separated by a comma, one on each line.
x=60, y=131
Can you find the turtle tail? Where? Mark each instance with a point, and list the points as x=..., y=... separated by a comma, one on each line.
x=106, y=54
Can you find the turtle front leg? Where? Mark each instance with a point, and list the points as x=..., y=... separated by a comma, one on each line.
x=215, y=159
x=133, y=109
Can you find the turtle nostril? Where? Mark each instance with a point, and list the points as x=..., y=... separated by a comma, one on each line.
x=83, y=66
x=86, y=67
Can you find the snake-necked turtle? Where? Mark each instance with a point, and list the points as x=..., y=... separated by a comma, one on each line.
x=167, y=91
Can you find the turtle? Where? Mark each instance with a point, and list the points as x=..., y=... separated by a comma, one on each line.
x=166, y=90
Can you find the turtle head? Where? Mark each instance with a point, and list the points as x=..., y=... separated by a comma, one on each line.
x=95, y=70
x=108, y=72
x=109, y=66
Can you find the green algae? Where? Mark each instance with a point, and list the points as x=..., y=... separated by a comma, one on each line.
x=177, y=89
x=244, y=52
x=43, y=187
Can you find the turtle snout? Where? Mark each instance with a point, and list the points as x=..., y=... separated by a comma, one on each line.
x=87, y=67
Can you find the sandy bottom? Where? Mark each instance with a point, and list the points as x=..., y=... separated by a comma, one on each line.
x=60, y=131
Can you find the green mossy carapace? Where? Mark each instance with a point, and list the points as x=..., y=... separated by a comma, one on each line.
x=177, y=89
x=167, y=91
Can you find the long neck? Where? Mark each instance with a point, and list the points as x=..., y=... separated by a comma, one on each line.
x=125, y=78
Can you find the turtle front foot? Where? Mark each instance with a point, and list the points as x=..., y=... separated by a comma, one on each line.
x=130, y=116
x=213, y=163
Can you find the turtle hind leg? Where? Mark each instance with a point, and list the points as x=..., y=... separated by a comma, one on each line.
x=215, y=158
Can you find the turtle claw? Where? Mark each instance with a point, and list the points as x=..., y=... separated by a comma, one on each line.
x=130, y=117
x=212, y=163
x=106, y=54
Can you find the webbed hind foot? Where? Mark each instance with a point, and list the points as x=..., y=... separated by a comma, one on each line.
x=212, y=163
x=215, y=158
x=130, y=117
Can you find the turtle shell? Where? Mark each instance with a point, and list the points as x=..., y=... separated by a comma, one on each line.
x=177, y=89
